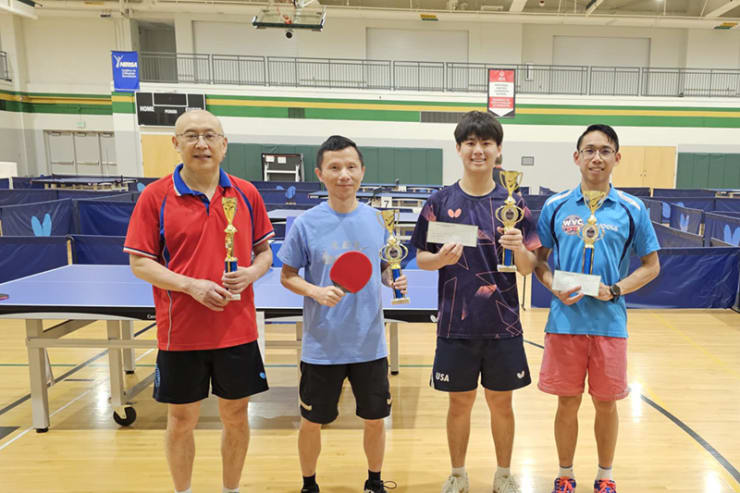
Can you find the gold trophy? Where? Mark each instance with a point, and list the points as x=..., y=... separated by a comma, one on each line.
x=394, y=251
x=509, y=214
x=590, y=232
x=230, y=263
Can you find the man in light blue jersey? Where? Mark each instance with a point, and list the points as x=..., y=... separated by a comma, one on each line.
x=588, y=335
x=344, y=335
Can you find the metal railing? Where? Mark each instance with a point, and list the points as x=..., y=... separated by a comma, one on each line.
x=344, y=73
x=4, y=70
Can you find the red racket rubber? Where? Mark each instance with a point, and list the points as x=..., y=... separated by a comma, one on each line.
x=351, y=271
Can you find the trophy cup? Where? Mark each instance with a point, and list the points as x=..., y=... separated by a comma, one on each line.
x=230, y=263
x=394, y=251
x=509, y=214
x=590, y=232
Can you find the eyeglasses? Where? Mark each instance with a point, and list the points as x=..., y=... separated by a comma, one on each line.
x=209, y=137
x=604, y=152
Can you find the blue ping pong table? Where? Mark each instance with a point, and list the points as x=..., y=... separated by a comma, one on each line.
x=83, y=294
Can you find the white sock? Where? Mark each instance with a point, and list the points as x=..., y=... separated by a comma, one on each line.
x=184, y=491
x=566, y=472
x=503, y=471
x=229, y=490
x=604, y=473
x=458, y=471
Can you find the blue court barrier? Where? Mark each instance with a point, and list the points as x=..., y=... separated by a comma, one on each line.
x=675, y=238
x=26, y=182
x=689, y=278
x=535, y=202
x=104, y=218
x=53, y=218
x=701, y=203
x=682, y=192
x=546, y=191
x=655, y=208
x=637, y=191
x=26, y=196
x=686, y=219
x=92, y=249
x=721, y=227
x=22, y=256
x=4, y=183
x=726, y=204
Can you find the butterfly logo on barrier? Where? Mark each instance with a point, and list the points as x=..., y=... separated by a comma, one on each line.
x=39, y=228
x=731, y=237
x=140, y=187
x=290, y=192
x=684, y=222
x=454, y=214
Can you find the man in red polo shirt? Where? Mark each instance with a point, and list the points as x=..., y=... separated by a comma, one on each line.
x=175, y=241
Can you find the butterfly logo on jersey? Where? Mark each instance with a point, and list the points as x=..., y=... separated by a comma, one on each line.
x=454, y=214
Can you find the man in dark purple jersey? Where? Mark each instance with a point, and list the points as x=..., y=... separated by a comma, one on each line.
x=478, y=331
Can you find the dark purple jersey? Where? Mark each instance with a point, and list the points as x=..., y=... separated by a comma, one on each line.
x=474, y=299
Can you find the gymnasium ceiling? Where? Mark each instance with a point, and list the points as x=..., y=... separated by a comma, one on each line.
x=704, y=14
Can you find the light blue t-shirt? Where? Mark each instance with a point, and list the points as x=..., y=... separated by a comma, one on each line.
x=626, y=229
x=352, y=331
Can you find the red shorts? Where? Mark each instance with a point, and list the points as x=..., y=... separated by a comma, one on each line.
x=569, y=357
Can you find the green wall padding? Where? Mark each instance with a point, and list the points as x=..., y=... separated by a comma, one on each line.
x=708, y=170
x=382, y=164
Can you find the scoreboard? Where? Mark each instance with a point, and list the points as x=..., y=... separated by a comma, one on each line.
x=162, y=109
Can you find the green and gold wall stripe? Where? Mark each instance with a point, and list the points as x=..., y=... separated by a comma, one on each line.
x=86, y=104
x=385, y=110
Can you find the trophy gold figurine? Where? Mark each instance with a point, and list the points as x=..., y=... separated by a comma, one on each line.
x=590, y=232
x=509, y=214
x=230, y=263
x=394, y=251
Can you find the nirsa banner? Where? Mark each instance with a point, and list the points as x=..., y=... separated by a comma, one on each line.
x=502, y=92
x=125, y=70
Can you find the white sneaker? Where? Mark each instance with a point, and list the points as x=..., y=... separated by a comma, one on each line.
x=456, y=484
x=505, y=484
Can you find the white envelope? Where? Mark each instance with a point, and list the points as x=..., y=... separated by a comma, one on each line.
x=440, y=232
x=564, y=281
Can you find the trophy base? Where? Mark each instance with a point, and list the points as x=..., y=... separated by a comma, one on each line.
x=400, y=301
x=506, y=268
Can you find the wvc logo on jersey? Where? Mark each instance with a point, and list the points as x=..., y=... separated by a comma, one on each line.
x=572, y=224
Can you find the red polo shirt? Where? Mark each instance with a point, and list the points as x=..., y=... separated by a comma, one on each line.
x=184, y=231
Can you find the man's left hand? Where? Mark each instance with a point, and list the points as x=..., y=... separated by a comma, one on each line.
x=237, y=281
x=401, y=284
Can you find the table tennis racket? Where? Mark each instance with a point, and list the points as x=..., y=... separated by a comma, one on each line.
x=351, y=271
x=3, y=296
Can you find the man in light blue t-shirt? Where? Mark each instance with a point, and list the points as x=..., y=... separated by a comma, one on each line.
x=343, y=335
x=588, y=335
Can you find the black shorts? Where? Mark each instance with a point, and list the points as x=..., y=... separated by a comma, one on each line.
x=321, y=386
x=501, y=364
x=235, y=372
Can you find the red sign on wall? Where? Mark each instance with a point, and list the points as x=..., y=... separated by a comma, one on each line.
x=502, y=92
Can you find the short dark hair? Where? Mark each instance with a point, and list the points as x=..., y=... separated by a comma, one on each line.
x=481, y=125
x=604, y=129
x=336, y=143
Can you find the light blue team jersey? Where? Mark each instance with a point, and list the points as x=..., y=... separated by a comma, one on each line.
x=626, y=229
x=352, y=331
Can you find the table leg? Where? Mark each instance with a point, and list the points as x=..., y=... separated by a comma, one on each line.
x=37, y=372
x=393, y=326
x=129, y=355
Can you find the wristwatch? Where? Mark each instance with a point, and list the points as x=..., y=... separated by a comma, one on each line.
x=616, y=292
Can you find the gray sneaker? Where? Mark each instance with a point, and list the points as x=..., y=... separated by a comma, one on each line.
x=506, y=484
x=456, y=484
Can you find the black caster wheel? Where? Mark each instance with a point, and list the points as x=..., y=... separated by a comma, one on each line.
x=128, y=419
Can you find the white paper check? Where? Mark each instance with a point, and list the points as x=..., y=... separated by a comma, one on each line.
x=564, y=281
x=440, y=232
